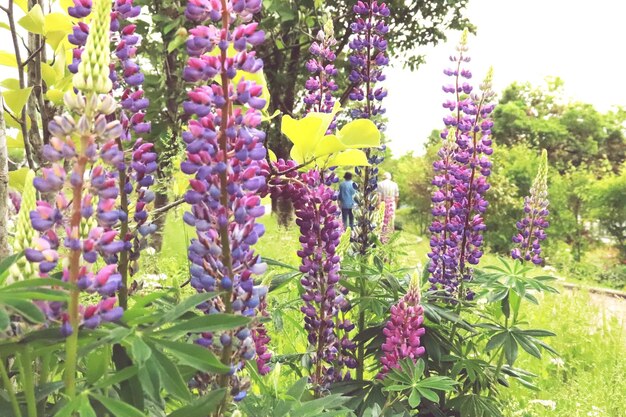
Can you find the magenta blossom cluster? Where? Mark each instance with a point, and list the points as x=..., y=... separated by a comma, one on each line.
x=532, y=227
x=388, y=216
x=461, y=179
x=320, y=86
x=325, y=300
x=92, y=193
x=226, y=156
x=403, y=332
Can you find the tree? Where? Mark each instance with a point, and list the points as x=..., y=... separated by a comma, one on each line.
x=291, y=27
x=573, y=133
x=608, y=199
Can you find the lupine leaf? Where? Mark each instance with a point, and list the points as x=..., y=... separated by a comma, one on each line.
x=118, y=408
x=201, y=407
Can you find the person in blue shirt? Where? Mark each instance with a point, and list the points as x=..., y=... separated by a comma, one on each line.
x=347, y=190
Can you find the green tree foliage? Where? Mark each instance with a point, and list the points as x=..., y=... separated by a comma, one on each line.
x=573, y=133
x=291, y=27
x=608, y=200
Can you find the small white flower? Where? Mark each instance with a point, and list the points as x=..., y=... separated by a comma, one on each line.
x=558, y=362
x=150, y=250
x=545, y=403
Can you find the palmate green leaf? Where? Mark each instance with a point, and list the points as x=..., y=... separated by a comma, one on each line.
x=496, y=341
x=475, y=405
x=5, y=321
x=118, y=408
x=527, y=344
x=84, y=408
x=205, y=323
x=139, y=350
x=117, y=377
x=510, y=349
x=25, y=309
x=97, y=362
x=184, y=306
x=201, y=407
x=415, y=398
x=193, y=355
x=6, y=263
x=430, y=395
x=170, y=376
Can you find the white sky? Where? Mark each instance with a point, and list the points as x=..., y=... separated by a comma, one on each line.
x=524, y=40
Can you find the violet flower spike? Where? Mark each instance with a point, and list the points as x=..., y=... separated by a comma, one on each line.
x=226, y=156
x=367, y=60
x=534, y=223
x=461, y=179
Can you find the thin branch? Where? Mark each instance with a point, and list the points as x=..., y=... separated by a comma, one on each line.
x=34, y=54
x=167, y=207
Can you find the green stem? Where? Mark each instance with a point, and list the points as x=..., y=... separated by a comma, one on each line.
x=27, y=374
x=360, y=354
x=123, y=262
x=44, y=373
x=8, y=386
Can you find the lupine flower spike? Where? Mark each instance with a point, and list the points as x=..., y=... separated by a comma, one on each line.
x=226, y=156
x=367, y=60
x=532, y=227
x=325, y=300
x=320, y=86
x=403, y=330
x=461, y=179
x=93, y=193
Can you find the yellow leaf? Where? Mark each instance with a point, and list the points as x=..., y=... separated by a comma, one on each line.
x=5, y=26
x=360, y=133
x=22, y=4
x=55, y=96
x=65, y=4
x=33, y=21
x=272, y=155
x=55, y=39
x=16, y=142
x=17, y=178
x=48, y=74
x=57, y=22
x=304, y=134
x=16, y=99
x=328, y=145
x=10, y=83
x=7, y=59
x=350, y=157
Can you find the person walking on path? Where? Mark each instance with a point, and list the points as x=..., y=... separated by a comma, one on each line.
x=389, y=195
x=347, y=190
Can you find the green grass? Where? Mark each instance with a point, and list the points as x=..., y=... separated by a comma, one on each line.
x=587, y=380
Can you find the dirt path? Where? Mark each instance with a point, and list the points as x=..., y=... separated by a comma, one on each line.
x=613, y=303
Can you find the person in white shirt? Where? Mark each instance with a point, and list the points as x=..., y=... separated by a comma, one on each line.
x=389, y=195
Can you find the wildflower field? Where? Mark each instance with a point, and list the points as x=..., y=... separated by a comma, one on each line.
x=202, y=214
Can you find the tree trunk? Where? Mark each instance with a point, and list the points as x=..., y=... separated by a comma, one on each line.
x=34, y=79
x=5, y=249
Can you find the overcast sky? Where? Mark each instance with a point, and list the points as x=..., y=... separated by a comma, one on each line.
x=524, y=40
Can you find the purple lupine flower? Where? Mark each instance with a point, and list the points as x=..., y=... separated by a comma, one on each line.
x=320, y=86
x=226, y=155
x=325, y=300
x=367, y=59
x=126, y=78
x=461, y=179
x=532, y=227
x=95, y=187
x=403, y=331
x=261, y=341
